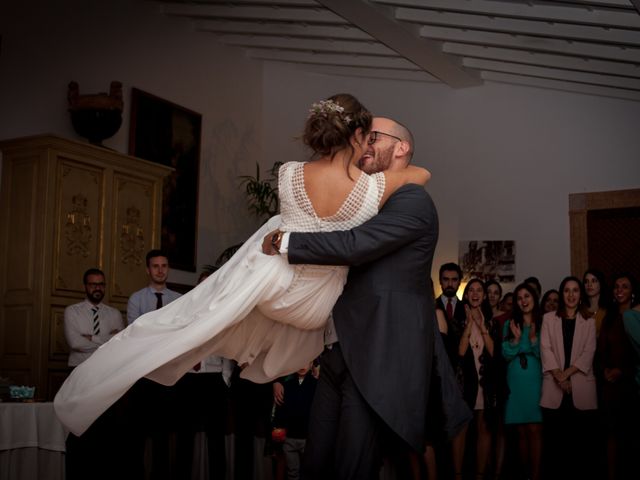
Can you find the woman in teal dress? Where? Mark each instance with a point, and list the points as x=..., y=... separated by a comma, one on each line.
x=521, y=351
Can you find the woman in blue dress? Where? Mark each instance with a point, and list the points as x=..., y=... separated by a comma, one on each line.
x=521, y=351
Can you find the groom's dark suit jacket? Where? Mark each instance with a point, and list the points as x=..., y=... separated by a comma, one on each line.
x=385, y=316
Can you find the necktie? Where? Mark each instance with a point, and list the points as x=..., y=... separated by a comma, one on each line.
x=449, y=310
x=96, y=321
x=159, y=300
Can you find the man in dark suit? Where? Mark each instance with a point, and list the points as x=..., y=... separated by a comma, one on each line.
x=377, y=367
x=450, y=276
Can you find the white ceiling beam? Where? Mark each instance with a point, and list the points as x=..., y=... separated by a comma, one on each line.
x=560, y=85
x=424, y=53
x=310, y=44
x=543, y=59
x=283, y=29
x=255, y=13
x=379, y=73
x=516, y=26
x=528, y=10
x=554, y=73
x=529, y=42
x=546, y=12
x=333, y=59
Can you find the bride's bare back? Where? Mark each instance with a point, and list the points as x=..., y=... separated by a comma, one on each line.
x=328, y=184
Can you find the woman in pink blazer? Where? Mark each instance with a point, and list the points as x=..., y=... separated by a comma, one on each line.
x=569, y=398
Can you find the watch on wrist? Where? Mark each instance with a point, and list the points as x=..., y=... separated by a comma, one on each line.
x=276, y=240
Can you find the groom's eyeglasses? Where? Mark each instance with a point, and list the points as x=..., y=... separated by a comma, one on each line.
x=373, y=137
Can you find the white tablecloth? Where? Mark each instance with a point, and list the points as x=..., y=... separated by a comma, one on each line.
x=32, y=442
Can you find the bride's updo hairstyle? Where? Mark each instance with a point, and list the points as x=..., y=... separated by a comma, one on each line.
x=331, y=123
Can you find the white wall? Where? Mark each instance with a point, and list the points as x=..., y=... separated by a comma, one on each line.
x=45, y=45
x=504, y=158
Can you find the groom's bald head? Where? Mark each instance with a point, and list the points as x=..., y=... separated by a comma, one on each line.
x=390, y=146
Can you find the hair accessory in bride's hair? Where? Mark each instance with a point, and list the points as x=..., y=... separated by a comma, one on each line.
x=327, y=107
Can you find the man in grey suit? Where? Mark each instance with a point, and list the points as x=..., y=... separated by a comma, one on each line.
x=377, y=367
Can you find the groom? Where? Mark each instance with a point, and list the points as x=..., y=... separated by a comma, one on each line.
x=376, y=370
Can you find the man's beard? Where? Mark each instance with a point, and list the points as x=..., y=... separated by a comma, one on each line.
x=95, y=297
x=449, y=292
x=379, y=162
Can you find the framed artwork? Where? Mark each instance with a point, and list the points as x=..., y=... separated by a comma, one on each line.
x=488, y=260
x=166, y=133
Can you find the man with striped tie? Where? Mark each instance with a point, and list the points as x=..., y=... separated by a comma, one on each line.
x=90, y=323
x=87, y=325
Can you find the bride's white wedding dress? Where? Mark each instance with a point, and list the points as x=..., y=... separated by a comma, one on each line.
x=256, y=309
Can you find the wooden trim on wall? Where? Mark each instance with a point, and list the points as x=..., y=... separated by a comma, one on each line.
x=579, y=206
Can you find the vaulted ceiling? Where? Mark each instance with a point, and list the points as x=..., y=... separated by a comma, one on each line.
x=590, y=47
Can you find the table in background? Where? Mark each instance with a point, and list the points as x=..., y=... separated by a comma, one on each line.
x=32, y=442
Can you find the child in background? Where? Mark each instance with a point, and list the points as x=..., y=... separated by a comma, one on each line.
x=293, y=416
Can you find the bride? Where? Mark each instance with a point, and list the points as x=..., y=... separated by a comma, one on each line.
x=257, y=309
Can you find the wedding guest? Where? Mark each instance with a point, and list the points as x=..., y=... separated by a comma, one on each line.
x=494, y=295
x=202, y=404
x=521, y=349
x=535, y=283
x=90, y=323
x=506, y=304
x=476, y=359
x=549, y=302
x=632, y=329
x=293, y=416
x=616, y=380
x=251, y=406
x=569, y=398
x=596, y=288
x=450, y=276
x=155, y=295
x=87, y=325
x=153, y=405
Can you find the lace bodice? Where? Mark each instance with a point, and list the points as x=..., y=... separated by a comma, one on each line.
x=297, y=210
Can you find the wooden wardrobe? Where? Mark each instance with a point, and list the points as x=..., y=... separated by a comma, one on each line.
x=65, y=207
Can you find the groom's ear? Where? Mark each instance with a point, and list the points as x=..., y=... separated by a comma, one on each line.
x=402, y=148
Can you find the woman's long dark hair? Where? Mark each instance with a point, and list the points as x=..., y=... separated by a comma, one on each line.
x=485, y=308
x=604, y=301
x=497, y=284
x=517, y=315
x=614, y=310
x=545, y=297
x=583, y=304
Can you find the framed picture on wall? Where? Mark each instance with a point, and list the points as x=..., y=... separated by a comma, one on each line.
x=488, y=260
x=166, y=133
